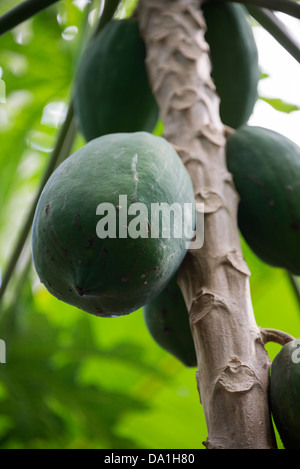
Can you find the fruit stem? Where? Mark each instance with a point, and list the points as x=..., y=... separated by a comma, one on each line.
x=109, y=10
x=275, y=335
x=228, y=131
x=22, y=12
x=271, y=23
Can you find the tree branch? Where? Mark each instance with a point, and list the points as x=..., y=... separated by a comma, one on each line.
x=277, y=29
x=22, y=12
x=290, y=7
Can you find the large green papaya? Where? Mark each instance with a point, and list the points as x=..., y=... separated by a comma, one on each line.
x=234, y=59
x=167, y=320
x=266, y=172
x=285, y=394
x=111, y=90
x=100, y=240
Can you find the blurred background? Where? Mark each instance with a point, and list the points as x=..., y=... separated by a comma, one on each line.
x=72, y=380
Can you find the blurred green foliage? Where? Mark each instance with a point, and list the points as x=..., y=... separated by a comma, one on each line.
x=72, y=380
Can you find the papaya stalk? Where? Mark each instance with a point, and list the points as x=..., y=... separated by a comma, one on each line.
x=233, y=365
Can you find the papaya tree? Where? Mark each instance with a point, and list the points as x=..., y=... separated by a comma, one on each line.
x=162, y=101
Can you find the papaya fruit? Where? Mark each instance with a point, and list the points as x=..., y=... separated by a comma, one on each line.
x=167, y=321
x=98, y=240
x=111, y=89
x=234, y=59
x=266, y=172
x=285, y=394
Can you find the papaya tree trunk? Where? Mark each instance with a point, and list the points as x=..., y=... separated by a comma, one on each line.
x=233, y=365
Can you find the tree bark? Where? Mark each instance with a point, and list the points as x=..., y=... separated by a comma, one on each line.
x=233, y=365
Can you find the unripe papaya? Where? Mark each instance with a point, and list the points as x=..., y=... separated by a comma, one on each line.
x=111, y=90
x=113, y=265
x=285, y=394
x=167, y=320
x=234, y=59
x=266, y=171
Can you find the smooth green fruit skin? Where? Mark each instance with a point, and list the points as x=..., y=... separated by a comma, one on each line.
x=285, y=394
x=266, y=171
x=234, y=57
x=111, y=276
x=167, y=320
x=111, y=89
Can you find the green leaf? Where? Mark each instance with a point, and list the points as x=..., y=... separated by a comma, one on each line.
x=280, y=105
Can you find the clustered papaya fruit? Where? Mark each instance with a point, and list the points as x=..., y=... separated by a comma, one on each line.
x=102, y=271
x=265, y=167
x=116, y=112
x=112, y=91
x=285, y=394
